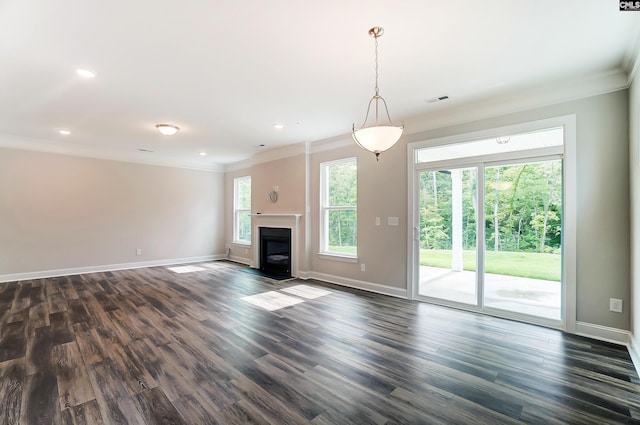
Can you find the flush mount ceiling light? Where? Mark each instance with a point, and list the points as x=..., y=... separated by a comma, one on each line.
x=278, y=126
x=378, y=137
x=85, y=73
x=503, y=140
x=167, y=129
x=64, y=132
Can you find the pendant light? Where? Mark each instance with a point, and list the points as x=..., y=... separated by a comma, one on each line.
x=378, y=137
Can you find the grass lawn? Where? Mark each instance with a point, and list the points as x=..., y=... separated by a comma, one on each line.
x=344, y=249
x=523, y=264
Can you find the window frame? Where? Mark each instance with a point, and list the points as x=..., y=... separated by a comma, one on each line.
x=325, y=209
x=237, y=211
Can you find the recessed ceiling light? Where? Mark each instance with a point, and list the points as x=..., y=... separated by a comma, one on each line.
x=203, y=153
x=85, y=73
x=64, y=132
x=278, y=126
x=144, y=150
x=167, y=129
x=261, y=145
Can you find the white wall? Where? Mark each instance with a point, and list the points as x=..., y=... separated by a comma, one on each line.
x=65, y=212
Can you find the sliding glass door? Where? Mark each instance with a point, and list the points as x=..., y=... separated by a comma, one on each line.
x=523, y=236
x=488, y=225
x=448, y=215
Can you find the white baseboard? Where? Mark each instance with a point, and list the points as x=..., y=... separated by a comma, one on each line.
x=304, y=275
x=613, y=335
x=634, y=351
x=359, y=284
x=106, y=268
x=603, y=333
x=239, y=260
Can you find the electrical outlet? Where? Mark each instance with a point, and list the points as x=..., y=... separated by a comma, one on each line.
x=139, y=251
x=362, y=267
x=615, y=305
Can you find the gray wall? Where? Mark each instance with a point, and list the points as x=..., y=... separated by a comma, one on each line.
x=603, y=223
x=382, y=192
x=59, y=212
x=286, y=173
x=603, y=226
x=634, y=162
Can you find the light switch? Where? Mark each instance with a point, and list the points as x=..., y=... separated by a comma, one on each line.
x=393, y=221
x=377, y=221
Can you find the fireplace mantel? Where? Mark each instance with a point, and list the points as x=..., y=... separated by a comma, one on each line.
x=287, y=221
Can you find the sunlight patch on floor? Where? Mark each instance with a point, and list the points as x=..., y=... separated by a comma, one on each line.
x=306, y=291
x=272, y=300
x=185, y=269
x=275, y=300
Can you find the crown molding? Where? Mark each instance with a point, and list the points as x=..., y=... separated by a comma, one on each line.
x=332, y=143
x=632, y=57
x=269, y=155
x=522, y=99
x=516, y=100
x=42, y=145
x=237, y=166
x=279, y=153
x=634, y=64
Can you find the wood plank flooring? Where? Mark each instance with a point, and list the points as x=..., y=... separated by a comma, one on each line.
x=150, y=346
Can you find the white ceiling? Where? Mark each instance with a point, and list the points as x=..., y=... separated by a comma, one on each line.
x=225, y=72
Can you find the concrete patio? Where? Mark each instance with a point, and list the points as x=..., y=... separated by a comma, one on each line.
x=534, y=297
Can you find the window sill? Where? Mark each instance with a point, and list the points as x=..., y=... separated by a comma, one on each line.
x=338, y=257
x=241, y=243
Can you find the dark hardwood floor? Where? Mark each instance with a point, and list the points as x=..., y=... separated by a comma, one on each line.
x=151, y=346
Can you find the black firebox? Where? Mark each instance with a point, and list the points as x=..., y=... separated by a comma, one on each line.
x=275, y=251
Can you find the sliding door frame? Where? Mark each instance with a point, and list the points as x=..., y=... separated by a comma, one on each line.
x=567, y=152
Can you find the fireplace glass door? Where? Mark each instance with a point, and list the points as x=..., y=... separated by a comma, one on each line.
x=275, y=251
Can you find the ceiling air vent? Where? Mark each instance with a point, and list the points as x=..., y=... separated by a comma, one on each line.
x=437, y=99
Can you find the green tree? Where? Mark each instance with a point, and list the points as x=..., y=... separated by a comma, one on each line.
x=343, y=192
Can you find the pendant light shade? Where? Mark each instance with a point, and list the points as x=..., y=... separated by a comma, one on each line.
x=378, y=136
x=377, y=139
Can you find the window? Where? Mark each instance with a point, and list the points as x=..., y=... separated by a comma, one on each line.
x=242, y=210
x=339, y=218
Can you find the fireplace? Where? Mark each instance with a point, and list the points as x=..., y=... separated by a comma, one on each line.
x=289, y=222
x=275, y=251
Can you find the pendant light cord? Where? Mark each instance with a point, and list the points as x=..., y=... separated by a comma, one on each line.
x=377, y=90
x=377, y=95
